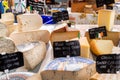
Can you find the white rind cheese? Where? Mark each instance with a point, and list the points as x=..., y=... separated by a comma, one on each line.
x=7, y=45
x=29, y=22
x=33, y=52
x=24, y=37
x=3, y=30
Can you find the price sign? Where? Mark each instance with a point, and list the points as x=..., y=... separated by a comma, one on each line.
x=100, y=3
x=65, y=15
x=97, y=32
x=11, y=61
x=62, y=49
x=108, y=63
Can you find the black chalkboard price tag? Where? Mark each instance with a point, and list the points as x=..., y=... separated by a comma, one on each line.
x=100, y=3
x=57, y=16
x=0, y=15
x=97, y=32
x=65, y=15
x=11, y=61
x=63, y=48
x=108, y=63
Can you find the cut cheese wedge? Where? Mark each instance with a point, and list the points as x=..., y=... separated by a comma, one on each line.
x=100, y=47
x=3, y=30
x=62, y=36
x=33, y=52
x=29, y=22
x=106, y=18
x=6, y=45
x=23, y=37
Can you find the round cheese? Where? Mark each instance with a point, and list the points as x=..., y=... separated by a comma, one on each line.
x=6, y=45
x=3, y=30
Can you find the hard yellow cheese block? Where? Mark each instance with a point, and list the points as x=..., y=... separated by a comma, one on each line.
x=35, y=77
x=106, y=18
x=100, y=47
x=85, y=47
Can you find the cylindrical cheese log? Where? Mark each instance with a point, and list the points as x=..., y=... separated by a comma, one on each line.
x=33, y=52
x=23, y=37
x=35, y=77
x=6, y=45
x=29, y=22
x=3, y=30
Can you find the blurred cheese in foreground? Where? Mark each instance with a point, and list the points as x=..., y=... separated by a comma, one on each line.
x=34, y=53
x=100, y=47
x=106, y=18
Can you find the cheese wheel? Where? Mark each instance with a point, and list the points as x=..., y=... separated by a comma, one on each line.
x=100, y=47
x=29, y=22
x=3, y=30
x=7, y=18
x=33, y=52
x=23, y=37
x=35, y=77
x=73, y=68
x=6, y=45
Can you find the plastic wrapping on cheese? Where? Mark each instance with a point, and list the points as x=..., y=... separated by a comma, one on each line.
x=68, y=64
x=33, y=52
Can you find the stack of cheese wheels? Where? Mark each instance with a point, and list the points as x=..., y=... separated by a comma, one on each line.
x=37, y=35
x=29, y=22
x=6, y=45
x=34, y=53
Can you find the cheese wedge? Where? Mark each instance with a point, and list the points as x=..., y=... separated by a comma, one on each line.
x=100, y=47
x=6, y=45
x=62, y=36
x=23, y=37
x=57, y=69
x=34, y=53
x=106, y=18
x=29, y=22
x=7, y=18
x=35, y=77
x=3, y=30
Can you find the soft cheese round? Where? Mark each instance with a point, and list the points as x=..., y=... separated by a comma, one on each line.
x=3, y=30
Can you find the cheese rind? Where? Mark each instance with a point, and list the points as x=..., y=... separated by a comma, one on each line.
x=7, y=45
x=24, y=37
x=3, y=30
x=29, y=22
x=100, y=47
x=35, y=77
x=106, y=18
x=33, y=52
